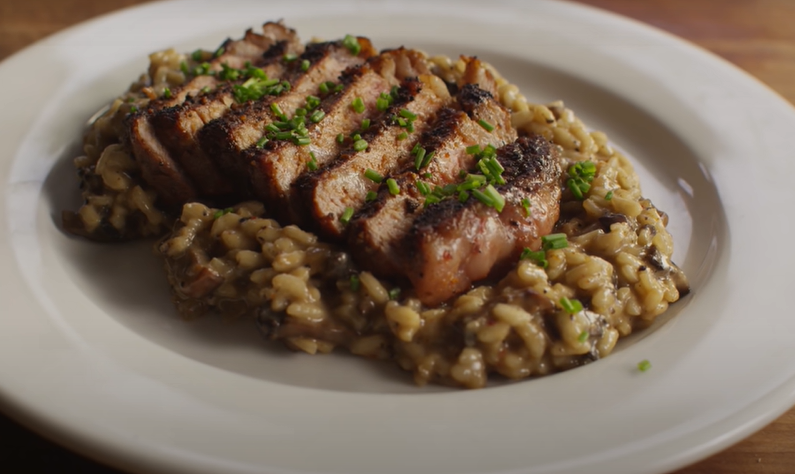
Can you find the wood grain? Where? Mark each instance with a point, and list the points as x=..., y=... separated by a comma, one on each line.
x=756, y=35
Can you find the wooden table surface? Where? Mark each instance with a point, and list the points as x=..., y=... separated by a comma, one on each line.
x=756, y=35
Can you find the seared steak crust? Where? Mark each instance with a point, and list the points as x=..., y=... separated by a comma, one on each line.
x=452, y=244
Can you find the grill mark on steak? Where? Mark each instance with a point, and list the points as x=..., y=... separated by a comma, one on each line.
x=341, y=184
x=225, y=139
x=178, y=126
x=159, y=168
x=453, y=244
x=376, y=231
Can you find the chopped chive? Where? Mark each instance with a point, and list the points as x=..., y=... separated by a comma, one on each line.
x=278, y=111
x=324, y=88
x=346, y=215
x=499, y=201
x=371, y=195
x=394, y=189
x=183, y=66
x=463, y=196
x=427, y=175
x=356, y=137
x=167, y=93
x=357, y=105
x=406, y=113
x=354, y=282
x=305, y=65
x=197, y=55
x=261, y=142
x=352, y=44
x=609, y=196
x=423, y=188
x=427, y=160
x=365, y=124
x=487, y=126
x=220, y=51
x=538, y=257
x=431, y=199
x=290, y=57
x=480, y=196
x=312, y=102
x=382, y=103
x=272, y=127
x=416, y=148
x=473, y=150
x=403, y=136
x=205, y=89
x=420, y=158
x=300, y=112
x=133, y=109
x=570, y=306
x=394, y=293
x=283, y=135
x=526, y=205
x=574, y=187
x=221, y=212
x=373, y=176
x=360, y=145
x=340, y=138
x=644, y=365
x=317, y=116
x=583, y=336
x=554, y=241
x=303, y=141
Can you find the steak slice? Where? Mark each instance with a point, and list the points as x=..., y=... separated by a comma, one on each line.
x=158, y=167
x=225, y=138
x=178, y=126
x=342, y=184
x=377, y=230
x=452, y=244
x=276, y=166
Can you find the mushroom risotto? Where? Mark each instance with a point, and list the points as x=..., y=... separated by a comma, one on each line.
x=400, y=206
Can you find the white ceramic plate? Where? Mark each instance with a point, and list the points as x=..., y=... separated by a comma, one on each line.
x=94, y=357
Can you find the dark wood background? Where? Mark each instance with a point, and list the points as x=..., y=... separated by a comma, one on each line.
x=756, y=35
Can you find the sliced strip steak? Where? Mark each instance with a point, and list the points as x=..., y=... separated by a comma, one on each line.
x=178, y=126
x=342, y=183
x=276, y=166
x=226, y=138
x=158, y=167
x=376, y=231
x=452, y=244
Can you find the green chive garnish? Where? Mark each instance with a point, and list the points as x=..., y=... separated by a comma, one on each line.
x=373, y=176
x=167, y=93
x=570, y=306
x=312, y=163
x=346, y=215
x=609, y=196
x=221, y=212
x=526, y=205
x=406, y=113
x=317, y=116
x=423, y=188
x=583, y=336
x=394, y=293
x=340, y=138
x=554, y=241
x=360, y=145
x=403, y=136
x=305, y=65
x=358, y=105
x=538, y=257
x=261, y=142
x=290, y=57
x=371, y=195
x=365, y=124
x=354, y=282
x=644, y=365
x=394, y=189
x=487, y=126
x=473, y=150
x=352, y=44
